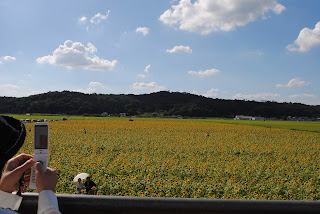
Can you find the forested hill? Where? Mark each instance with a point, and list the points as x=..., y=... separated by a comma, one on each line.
x=160, y=103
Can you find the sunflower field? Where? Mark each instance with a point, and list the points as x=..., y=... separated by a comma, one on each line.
x=184, y=159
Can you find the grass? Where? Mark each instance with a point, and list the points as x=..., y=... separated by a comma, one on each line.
x=309, y=126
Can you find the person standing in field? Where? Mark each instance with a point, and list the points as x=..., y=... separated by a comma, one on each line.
x=80, y=186
x=89, y=184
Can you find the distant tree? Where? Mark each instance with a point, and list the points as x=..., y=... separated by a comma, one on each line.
x=163, y=103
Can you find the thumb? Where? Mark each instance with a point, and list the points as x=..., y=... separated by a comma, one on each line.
x=24, y=167
x=38, y=167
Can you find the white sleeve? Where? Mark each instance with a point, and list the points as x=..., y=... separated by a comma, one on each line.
x=8, y=200
x=48, y=203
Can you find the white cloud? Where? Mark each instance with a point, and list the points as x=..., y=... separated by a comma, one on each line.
x=150, y=87
x=147, y=69
x=295, y=82
x=96, y=19
x=34, y=92
x=86, y=91
x=209, y=72
x=179, y=49
x=9, y=90
x=83, y=20
x=143, y=30
x=8, y=86
x=9, y=58
x=206, y=16
x=95, y=84
x=309, y=99
x=93, y=87
x=74, y=55
x=306, y=40
x=258, y=96
x=212, y=93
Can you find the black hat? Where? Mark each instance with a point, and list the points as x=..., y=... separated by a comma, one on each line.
x=12, y=135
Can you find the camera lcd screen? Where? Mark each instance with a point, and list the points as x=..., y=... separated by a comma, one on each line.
x=41, y=137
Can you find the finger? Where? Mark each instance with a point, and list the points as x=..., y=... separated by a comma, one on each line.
x=27, y=172
x=50, y=169
x=17, y=161
x=22, y=158
x=24, y=167
x=52, y=172
x=39, y=169
x=27, y=180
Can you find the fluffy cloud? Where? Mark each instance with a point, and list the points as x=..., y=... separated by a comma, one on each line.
x=96, y=19
x=147, y=69
x=73, y=55
x=9, y=58
x=150, y=87
x=307, y=39
x=143, y=30
x=83, y=20
x=179, y=49
x=209, y=72
x=309, y=99
x=212, y=93
x=259, y=96
x=206, y=16
x=95, y=84
x=295, y=82
x=86, y=91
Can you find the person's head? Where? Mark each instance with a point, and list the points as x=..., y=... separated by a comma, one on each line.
x=12, y=133
x=79, y=180
x=88, y=178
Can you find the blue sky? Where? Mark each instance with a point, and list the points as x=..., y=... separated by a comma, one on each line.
x=228, y=49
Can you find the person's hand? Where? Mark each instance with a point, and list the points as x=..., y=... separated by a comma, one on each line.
x=16, y=168
x=45, y=180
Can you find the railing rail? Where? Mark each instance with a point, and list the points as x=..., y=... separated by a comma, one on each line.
x=79, y=204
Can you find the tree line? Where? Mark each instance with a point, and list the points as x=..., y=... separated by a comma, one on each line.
x=163, y=103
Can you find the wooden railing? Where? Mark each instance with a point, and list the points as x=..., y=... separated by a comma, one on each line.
x=78, y=204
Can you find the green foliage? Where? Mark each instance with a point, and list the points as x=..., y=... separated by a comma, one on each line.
x=155, y=104
x=290, y=125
